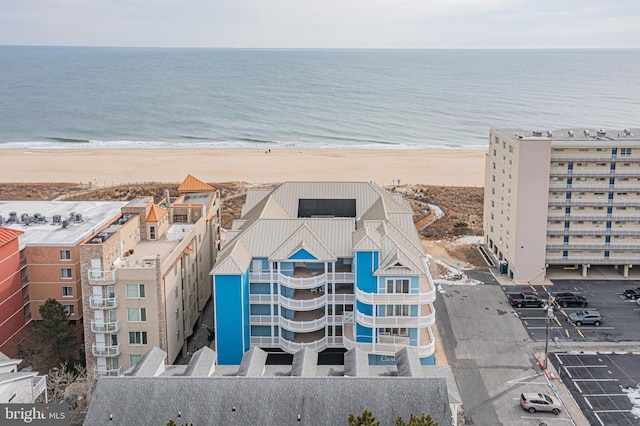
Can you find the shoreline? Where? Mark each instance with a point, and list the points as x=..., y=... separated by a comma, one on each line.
x=105, y=167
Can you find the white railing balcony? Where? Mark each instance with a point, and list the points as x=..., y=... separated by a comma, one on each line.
x=106, y=351
x=262, y=298
x=103, y=303
x=343, y=298
x=38, y=386
x=99, y=277
x=316, y=281
x=591, y=231
x=395, y=298
x=105, y=327
x=600, y=158
x=595, y=246
x=303, y=304
x=293, y=347
x=395, y=321
x=259, y=277
x=572, y=260
x=99, y=372
x=264, y=341
x=262, y=320
x=425, y=349
x=303, y=326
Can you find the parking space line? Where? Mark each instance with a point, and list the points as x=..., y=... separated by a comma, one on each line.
x=598, y=417
x=580, y=333
x=568, y=373
x=589, y=404
x=577, y=387
x=605, y=394
x=558, y=358
x=567, y=333
x=587, y=366
x=542, y=328
x=596, y=380
x=612, y=411
x=538, y=418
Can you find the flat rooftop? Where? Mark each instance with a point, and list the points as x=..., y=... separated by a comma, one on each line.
x=578, y=134
x=36, y=220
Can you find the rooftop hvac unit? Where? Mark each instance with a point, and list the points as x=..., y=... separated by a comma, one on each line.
x=72, y=215
x=602, y=133
x=40, y=219
x=13, y=217
x=78, y=217
x=27, y=219
x=627, y=132
x=549, y=134
x=571, y=133
x=537, y=133
x=65, y=223
x=24, y=217
x=586, y=133
x=57, y=218
x=36, y=215
x=96, y=240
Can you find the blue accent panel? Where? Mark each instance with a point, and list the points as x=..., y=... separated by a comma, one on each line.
x=275, y=310
x=260, y=330
x=302, y=254
x=364, y=308
x=230, y=318
x=247, y=324
x=287, y=291
x=260, y=309
x=286, y=268
x=265, y=264
x=287, y=313
x=430, y=360
x=413, y=337
x=259, y=288
x=363, y=334
x=413, y=310
x=367, y=263
x=288, y=335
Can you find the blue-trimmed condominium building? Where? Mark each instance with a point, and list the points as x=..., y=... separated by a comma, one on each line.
x=323, y=265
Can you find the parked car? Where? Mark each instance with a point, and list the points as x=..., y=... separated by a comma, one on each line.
x=526, y=299
x=632, y=293
x=586, y=318
x=533, y=402
x=570, y=299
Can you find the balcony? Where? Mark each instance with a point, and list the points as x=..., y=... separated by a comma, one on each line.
x=594, y=246
x=99, y=277
x=389, y=345
x=594, y=202
x=305, y=321
x=572, y=260
x=607, y=157
x=23, y=262
x=395, y=298
x=103, y=303
x=105, y=327
x=316, y=341
x=304, y=300
x=593, y=231
x=425, y=319
x=99, y=372
x=105, y=351
x=262, y=320
x=24, y=280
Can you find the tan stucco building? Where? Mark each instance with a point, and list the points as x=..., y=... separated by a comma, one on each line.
x=563, y=197
x=146, y=277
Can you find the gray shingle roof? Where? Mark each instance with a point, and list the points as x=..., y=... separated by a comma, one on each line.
x=253, y=361
x=202, y=363
x=356, y=363
x=304, y=363
x=232, y=401
x=150, y=364
x=408, y=362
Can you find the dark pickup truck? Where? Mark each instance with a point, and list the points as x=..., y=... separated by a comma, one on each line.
x=526, y=300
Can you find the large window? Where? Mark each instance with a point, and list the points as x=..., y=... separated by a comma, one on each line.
x=398, y=285
x=66, y=273
x=395, y=310
x=71, y=310
x=136, y=314
x=133, y=359
x=152, y=232
x=625, y=152
x=67, y=291
x=135, y=291
x=65, y=254
x=137, y=337
x=403, y=332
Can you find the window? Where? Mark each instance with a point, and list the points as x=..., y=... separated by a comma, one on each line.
x=152, y=232
x=400, y=285
x=601, y=164
x=133, y=359
x=136, y=314
x=67, y=291
x=137, y=337
x=601, y=149
x=510, y=149
x=395, y=310
x=65, y=254
x=71, y=310
x=401, y=332
x=496, y=140
x=135, y=291
x=625, y=152
x=178, y=335
x=66, y=274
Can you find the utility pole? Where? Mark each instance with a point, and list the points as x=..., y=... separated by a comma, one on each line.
x=546, y=340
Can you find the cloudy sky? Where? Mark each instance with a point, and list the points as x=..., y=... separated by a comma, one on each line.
x=323, y=23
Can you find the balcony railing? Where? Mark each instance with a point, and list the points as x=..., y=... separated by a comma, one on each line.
x=106, y=351
x=99, y=372
x=395, y=321
x=293, y=347
x=602, y=216
x=594, y=246
x=99, y=277
x=424, y=350
x=25, y=280
x=264, y=341
x=600, y=158
x=303, y=282
x=38, y=386
x=303, y=304
x=262, y=320
x=596, y=173
x=592, y=231
x=23, y=262
x=395, y=298
x=591, y=188
x=303, y=326
x=105, y=327
x=594, y=202
x=103, y=303
x=571, y=260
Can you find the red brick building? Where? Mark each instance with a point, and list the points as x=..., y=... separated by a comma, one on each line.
x=12, y=314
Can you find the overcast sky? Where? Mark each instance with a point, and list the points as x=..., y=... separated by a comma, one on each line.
x=323, y=23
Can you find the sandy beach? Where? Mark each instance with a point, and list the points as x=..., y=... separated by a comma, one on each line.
x=112, y=167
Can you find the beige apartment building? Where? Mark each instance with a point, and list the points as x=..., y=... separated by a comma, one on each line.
x=146, y=277
x=568, y=198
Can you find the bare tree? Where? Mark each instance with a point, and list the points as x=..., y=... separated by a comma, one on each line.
x=73, y=387
x=37, y=351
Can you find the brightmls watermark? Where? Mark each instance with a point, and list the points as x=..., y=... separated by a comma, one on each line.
x=34, y=414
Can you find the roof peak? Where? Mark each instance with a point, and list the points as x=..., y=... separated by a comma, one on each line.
x=193, y=184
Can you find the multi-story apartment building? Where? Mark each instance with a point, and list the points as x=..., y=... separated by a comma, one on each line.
x=323, y=265
x=563, y=197
x=49, y=260
x=12, y=299
x=145, y=276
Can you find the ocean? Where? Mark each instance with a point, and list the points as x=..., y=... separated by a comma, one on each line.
x=89, y=97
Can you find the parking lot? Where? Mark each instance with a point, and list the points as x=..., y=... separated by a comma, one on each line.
x=606, y=387
x=621, y=316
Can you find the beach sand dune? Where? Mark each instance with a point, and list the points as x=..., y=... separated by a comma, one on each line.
x=113, y=167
